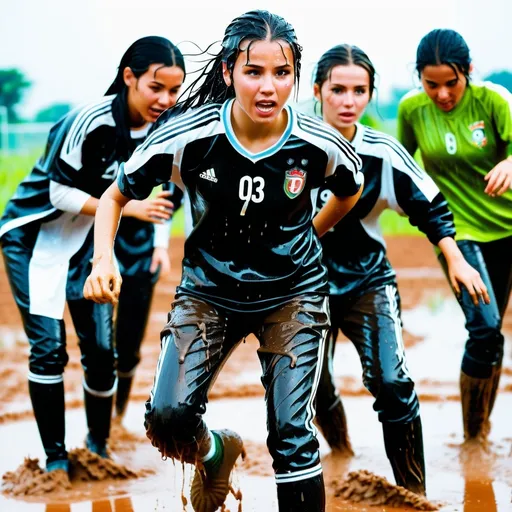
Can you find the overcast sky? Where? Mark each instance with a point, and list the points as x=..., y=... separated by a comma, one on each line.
x=70, y=49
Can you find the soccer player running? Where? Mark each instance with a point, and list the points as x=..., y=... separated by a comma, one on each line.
x=47, y=240
x=363, y=294
x=464, y=133
x=252, y=262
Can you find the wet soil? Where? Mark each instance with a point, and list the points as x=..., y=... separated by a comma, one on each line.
x=457, y=479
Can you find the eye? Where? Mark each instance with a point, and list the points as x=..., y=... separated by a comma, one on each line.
x=360, y=91
x=154, y=88
x=452, y=83
x=283, y=72
x=252, y=72
x=336, y=90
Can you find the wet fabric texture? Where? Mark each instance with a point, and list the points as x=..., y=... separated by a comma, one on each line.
x=373, y=323
x=484, y=347
x=197, y=341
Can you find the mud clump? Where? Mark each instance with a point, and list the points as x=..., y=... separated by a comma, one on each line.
x=365, y=487
x=86, y=465
x=30, y=480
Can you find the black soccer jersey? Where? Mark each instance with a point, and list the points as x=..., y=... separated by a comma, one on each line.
x=355, y=250
x=253, y=245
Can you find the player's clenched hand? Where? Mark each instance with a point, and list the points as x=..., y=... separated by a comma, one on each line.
x=156, y=210
x=461, y=272
x=499, y=179
x=160, y=260
x=104, y=282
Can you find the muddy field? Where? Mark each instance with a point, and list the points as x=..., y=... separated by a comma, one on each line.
x=139, y=480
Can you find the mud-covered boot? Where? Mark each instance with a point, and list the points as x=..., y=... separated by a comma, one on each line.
x=404, y=448
x=124, y=386
x=302, y=496
x=477, y=397
x=333, y=425
x=211, y=482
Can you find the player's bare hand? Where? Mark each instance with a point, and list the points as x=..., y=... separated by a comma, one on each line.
x=156, y=210
x=499, y=178
x=104, y=282
x=160, y=260
x=462, y=273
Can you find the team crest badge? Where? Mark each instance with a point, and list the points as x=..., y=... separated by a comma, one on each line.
x=294, y=182
x=478, y=134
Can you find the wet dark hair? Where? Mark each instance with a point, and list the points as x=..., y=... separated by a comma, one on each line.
x=252, y=26
x=141, y=54
x=443, y=46
x=343, y=55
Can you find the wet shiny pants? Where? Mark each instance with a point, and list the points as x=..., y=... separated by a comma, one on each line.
x=132, y=315
x=197, y=341
x=373, y=323
x=48, y=356
x=483, y=353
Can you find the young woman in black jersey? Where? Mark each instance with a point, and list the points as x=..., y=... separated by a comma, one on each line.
x=46, y=239
x=252, y=262
x=364, y=299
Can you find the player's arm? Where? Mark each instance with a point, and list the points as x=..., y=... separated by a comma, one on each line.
x=346, y=181
x=499, y=178
x=419, y=198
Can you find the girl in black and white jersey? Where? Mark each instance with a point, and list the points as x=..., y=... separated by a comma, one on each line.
x=252, y=262
x=46, y=238
x=364, y=298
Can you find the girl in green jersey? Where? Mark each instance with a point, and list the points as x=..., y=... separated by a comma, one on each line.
x=464, y=133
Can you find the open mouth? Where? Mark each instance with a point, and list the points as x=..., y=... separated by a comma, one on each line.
x=265, y=107
x=155, y=112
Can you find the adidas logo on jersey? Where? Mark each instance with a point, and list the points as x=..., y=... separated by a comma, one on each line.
x=209, y=175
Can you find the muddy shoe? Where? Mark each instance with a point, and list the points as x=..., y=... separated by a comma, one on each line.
x=210, y=488
x=97, y=447
x=55, y=465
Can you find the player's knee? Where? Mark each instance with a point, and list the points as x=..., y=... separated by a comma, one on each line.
x=396, y=399
x=51, y=362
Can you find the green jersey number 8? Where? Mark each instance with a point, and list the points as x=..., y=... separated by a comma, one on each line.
x=451, y=143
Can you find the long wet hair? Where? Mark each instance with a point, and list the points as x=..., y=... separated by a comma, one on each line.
x=138, y=57
x=342, y=55
x=209, y=87
x=443, y=46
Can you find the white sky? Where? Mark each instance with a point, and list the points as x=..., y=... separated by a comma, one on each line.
x=70, y=49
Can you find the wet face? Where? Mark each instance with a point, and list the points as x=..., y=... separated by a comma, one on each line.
x=153, y=92
x=444, y=85
x=263, y=77
x=344, y=97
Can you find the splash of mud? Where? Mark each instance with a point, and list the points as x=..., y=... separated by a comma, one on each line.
x=30, y=480
x=365, y=487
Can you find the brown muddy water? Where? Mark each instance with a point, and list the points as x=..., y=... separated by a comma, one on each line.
x=434, y=337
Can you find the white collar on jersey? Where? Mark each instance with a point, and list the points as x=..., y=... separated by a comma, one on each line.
x=141, y=132
x=358, y=137
x=230, y=134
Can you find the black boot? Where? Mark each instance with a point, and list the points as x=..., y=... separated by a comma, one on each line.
x=48, y=405
x=477, y=397
x=303, y=496
x=124, y=386
x=404, y=448
x=98, y=410
x=333, y=425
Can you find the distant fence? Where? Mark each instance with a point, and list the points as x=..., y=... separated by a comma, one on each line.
x=23, y=138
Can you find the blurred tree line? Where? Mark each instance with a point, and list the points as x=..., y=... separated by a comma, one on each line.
x=14, y=83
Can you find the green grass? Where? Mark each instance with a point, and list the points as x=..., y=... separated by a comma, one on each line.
x=13, y=168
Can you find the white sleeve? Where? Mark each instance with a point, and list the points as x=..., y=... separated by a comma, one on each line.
x=67, y=199
x=162, y=234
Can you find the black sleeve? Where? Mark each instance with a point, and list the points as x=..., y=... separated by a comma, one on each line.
x=176, y=196
x=344, y=182
x=430, y=215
